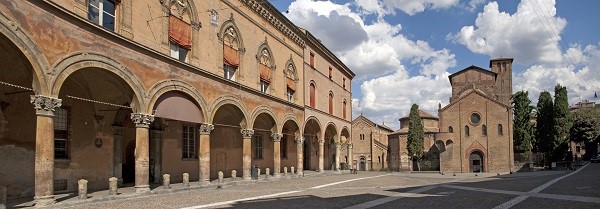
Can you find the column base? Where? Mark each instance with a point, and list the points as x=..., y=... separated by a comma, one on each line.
x=247, y=178
x=204, y=182
x=142, y=189
x=276, y=175
x=42, y=201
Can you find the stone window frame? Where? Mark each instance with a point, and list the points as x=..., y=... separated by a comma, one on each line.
x=467, y=131
x=228, y=26
x=484, y=130
x=290, y=72
x=475, y=113
x=331, y=109
x=101, y=13
x=312, y=86
x=265, y=56
x=67, y=132
x=500, y=130
x=344, y=109
x=189, y=154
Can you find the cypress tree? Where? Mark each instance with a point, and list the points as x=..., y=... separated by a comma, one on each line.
x=415, y=133
x=544, y=132
x=522, y=129
x=562, y=120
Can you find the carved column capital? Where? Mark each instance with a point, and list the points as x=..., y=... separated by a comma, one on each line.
x=321, y=142
x=276, y=137
x=247, y=133
x=350, y=146
x=45, y=105
x=205, y=129
x=142, y=120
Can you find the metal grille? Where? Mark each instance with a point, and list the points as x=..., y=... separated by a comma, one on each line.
x=189, y=142
x=60, y=184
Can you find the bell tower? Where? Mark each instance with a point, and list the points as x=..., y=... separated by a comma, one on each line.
x=503, y=85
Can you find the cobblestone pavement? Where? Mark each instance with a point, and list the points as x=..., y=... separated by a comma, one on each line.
x=544, y=189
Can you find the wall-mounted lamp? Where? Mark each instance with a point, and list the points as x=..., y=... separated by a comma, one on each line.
x=98, y=143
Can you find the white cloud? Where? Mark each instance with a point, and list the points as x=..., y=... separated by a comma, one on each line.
x=410, y=7
x=388, y=91
x=473, y=4
x=532, y=34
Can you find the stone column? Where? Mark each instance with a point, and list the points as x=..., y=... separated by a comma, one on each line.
x=204, y=152
x=300, y=154
x=142, y=123
x=44, y=148
x=157, y=154
x=276, y=154
x=321, y=153
x=337, y=156
x=118, y=153
x=350, y=160
x=247, y=153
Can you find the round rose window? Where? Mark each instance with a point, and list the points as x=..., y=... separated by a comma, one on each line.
x=475, y=118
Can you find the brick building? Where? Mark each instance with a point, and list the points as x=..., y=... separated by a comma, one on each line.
x=399, y=159
x=475, y=129
x=369, y=145
x=101, y=88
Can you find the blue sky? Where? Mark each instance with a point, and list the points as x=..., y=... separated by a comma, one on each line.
x=403, y=50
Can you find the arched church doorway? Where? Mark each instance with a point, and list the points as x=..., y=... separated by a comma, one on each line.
x=362, y=164
x=476, y=162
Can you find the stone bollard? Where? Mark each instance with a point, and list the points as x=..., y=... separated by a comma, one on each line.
x=285, y=171
x=166, y=181
x=3, y=197
x=267, y=172
x=112, y=186
x=233, y=175
x=258, y=172
x=82, y=185
x=220, y=177
x=292, y=170
x=186, y=180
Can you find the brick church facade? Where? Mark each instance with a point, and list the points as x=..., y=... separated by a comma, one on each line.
x=475, y=129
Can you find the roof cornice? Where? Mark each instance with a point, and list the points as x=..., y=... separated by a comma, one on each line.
x=269, y=13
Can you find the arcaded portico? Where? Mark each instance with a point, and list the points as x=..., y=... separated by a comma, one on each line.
x=87, y=98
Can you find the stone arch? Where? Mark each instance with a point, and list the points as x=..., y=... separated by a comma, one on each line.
x=11, y=30
x=271, y=58
x=165, y=86
x=345, y=132
x=290, y=70
x=225, y=100
x=290, y=117
x=80, y=60
x=335, y=131
x=314, y=119
x=230, y=23
x=264, y=109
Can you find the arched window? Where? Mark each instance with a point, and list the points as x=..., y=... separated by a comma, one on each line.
x=290, y=74
x=231, y=57
x=500, y=131
x=504, y=66
x=449, y=142
x=265, y=65
x=180, y=37
x=312, y=95
x=344, y=109
x=466, y=130
x=331, y=103
x=102, y=12
x=499, y=67
x=450, y=129
x=484, y=130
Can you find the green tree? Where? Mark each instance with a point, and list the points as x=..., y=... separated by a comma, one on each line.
x=544, y=133
x=586, y=126
x=522, y=129
x=562, y=119
x=415, y=134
